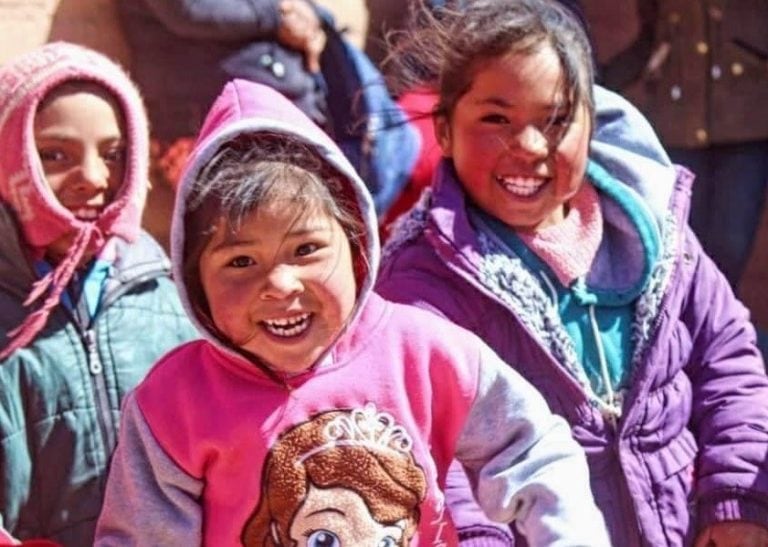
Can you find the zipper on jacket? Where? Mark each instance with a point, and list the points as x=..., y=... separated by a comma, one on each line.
x=96, y=365
x=103, y=413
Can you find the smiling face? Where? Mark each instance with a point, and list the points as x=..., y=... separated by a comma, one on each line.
x=282, y=287
x=79, y=137
x=518, y=147
x=78, y=133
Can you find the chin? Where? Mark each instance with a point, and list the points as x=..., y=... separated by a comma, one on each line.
x=286, y=364
x=294, y=368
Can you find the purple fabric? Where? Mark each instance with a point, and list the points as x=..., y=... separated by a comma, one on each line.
x=693, y=439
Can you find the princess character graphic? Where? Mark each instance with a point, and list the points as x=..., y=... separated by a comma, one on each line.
x=342, y=478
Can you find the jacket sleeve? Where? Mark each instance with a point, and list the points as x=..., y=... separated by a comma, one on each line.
x=149, y=499
x=730, y=400
x=523, y=463
x=218, y=20
x=474, y=528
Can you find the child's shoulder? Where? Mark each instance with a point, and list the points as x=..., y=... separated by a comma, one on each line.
x=144, y=250
x=427, y=326
x=180, y=364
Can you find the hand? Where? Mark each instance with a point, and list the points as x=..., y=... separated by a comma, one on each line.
x=733, y=534
x=300, y=29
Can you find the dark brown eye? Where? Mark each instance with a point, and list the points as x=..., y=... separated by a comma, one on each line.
x=115, y=154
x=494, y=119
x=52, y=154
x=241, y=262
x=307, y=249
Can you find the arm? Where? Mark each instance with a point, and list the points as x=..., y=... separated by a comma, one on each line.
x=16, y=488
x=730, y=400
x=231, y=20
x=149, y=499
x=404, y=283
x=473, y=526
x=523, y=463
x=295, y=24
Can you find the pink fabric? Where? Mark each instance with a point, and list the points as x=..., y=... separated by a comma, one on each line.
x=24, y=83
x=6, y=538
x=404, y=375
x=418, y=105
x=569, y=247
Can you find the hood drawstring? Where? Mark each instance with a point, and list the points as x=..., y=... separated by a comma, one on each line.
x=56, y=280
x=611, y=405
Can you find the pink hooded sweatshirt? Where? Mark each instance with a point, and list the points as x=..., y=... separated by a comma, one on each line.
x=353, y=451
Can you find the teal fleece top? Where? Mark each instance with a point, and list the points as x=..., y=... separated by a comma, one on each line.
x=598, y=320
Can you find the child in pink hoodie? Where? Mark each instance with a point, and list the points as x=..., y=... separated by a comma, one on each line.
x=314, y=412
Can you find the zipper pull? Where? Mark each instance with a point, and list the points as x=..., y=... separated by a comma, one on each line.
x=613, y=409
x=611, y=416
x=94, y=362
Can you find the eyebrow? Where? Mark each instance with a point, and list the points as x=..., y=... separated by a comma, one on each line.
x=503, y=103
x=327, y=510
x=234, y=242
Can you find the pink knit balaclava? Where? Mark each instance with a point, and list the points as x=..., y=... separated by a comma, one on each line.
x=24, y=83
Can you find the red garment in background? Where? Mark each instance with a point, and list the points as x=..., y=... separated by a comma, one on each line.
x=418, y=106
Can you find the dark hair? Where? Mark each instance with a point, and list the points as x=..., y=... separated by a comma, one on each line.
x=258, y=168
x=445, y=45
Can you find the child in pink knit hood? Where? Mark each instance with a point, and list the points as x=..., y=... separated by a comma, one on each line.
x=86, y=297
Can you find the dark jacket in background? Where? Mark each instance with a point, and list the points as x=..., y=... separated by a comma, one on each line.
x=184, y=51
x=698, y=70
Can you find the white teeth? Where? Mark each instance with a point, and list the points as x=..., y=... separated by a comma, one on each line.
x=86, y=214
x=290, y=326
x=521, y=186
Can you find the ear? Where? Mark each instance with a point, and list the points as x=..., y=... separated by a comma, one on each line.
x=442, y=128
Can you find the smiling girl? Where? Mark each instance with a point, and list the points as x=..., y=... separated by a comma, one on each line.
x=314, y=413
x=86, y=298
x=567, y=250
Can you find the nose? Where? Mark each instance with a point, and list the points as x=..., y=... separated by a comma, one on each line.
x=531, y=142
x=94, y=171
x=281, y=282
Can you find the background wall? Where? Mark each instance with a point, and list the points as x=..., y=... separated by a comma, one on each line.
x=25, y=24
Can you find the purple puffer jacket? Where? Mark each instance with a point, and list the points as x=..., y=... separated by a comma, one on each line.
x=691, y=447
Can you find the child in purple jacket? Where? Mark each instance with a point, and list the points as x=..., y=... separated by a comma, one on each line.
x=566, y=248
